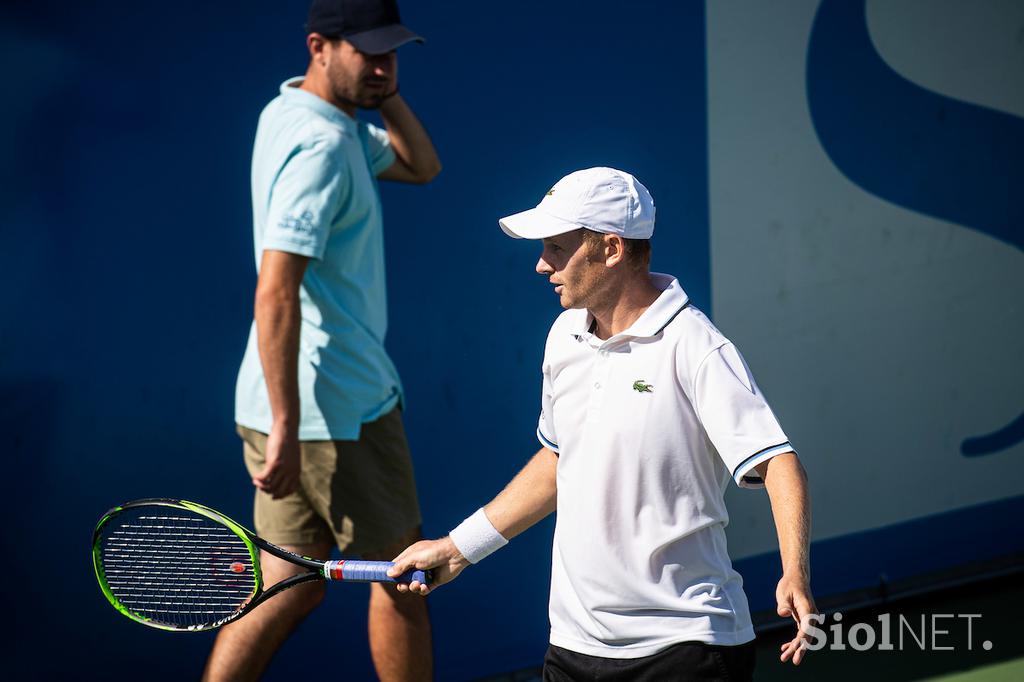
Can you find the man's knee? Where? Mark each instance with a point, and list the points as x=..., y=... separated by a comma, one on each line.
x=308, y=596
x=409, y=606
x=384, y=595
x=303, y=598
x=396, y=547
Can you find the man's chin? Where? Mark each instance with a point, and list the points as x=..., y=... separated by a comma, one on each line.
x=365, y=102
x=372, y=102
x=568, y=303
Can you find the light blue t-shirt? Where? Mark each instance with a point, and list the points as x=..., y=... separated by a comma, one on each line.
x=314, y=193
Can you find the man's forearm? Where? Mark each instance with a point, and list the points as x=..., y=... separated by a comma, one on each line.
x=278, y=319
x=786, y=482
x=409, y=139
x=528, y=497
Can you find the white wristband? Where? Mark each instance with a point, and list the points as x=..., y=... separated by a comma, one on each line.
x=476, y=538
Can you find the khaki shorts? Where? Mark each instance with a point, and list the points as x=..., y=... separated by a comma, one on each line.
x=359, y=494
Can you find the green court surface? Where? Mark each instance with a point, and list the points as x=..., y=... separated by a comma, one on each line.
x=1010, y=671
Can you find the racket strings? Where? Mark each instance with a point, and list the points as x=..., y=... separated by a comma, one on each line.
x=186, y=570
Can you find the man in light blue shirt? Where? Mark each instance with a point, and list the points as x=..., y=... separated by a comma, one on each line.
x=318, y=399
x=314, y=195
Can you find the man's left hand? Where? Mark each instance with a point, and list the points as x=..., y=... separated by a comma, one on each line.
x=796, y=602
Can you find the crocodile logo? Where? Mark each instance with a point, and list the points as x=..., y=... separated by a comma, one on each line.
x=640, y=387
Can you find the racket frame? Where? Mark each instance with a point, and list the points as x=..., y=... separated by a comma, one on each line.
x=253, y=543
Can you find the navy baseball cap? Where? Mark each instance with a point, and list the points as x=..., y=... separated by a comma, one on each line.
x=373, y=26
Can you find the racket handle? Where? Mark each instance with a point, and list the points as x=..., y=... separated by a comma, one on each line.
x=371, y=572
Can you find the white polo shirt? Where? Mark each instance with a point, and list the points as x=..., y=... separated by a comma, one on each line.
x=649, y=425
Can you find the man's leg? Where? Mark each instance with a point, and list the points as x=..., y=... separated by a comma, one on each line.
x=244, y=648
x=399, y=625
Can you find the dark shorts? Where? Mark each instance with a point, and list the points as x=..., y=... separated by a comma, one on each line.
x=357, y=494
x=683, y=662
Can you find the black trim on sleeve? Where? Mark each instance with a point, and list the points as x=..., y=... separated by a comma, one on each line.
x=548, y=443
x=758, y=454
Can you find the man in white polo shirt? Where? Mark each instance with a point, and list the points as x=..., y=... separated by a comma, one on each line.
x=647, y=412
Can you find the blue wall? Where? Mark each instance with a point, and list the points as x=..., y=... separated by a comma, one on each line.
x=128, y=277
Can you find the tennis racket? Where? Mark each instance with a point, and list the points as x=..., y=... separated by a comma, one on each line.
x=178, y=565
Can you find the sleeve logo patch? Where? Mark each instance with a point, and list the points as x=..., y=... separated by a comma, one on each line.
x=640, y=387
x=302, y=223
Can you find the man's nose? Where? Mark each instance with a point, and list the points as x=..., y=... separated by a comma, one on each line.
x=543, y=268
x=384, y=64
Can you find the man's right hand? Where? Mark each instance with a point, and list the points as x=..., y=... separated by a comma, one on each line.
x=441, y=555
x=280, y=474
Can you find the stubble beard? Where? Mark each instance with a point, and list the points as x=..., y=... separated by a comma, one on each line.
x=596, y=289
x=346, y=91
x=345, y=95
x=583, y=291
x=365, y=102
x=587, y=286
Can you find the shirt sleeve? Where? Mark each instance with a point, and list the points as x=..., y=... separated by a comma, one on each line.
x=546, y=423
x=379, y=150
x=736, y=416
x=304, y=200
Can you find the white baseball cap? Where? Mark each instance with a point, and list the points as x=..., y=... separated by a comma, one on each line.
x=599, y=199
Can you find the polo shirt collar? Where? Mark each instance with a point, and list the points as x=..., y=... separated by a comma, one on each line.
x=654, y=319
x=293, y=95
x=662, y=311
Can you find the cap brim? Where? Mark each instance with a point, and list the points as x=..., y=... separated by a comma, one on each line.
x=535, y=224
x=383, y=40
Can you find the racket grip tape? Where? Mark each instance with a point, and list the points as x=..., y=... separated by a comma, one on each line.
x=371, y=572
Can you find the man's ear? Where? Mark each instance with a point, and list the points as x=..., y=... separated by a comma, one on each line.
x=316, y=44
x=614, y=250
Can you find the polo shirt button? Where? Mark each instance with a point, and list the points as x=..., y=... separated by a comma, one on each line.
x=597, y=384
